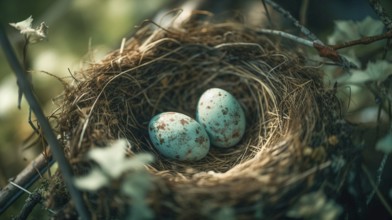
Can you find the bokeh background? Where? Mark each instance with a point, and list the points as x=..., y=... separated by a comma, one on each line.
x=83, y=31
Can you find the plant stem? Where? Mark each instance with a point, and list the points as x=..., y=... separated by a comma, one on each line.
x=295, y=22
x=56, y=148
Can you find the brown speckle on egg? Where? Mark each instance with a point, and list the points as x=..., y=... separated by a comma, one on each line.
x=184, y=122
x=200, y=140
x=161, y=126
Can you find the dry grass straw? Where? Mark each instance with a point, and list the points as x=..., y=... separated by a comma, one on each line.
x=290, y=117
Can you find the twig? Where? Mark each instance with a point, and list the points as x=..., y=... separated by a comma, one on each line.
x=323, y=50
x=287, y=36
x=377, y=7
x=295, y=22
x=31, y=201
x=19, y=187
x=10, y=193
x=379, y=174
x=380, y=196
x=303, y=12
x=267, y=13
x=48, y=133
x=363, y=40
x=330, y=51
x=387, y=47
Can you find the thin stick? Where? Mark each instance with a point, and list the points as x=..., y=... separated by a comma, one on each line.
x=295, y=22
x=377, y=7
x=48, y=133
x=33, y=199
x=387, y=20
x=303, y=12
x=267, y=13
x=363, y=40
x=380, y=196
x=288, y=36
x=323, y=50
x=379, y=174
x=19, y=187
x=10, y=193
x=29, y=175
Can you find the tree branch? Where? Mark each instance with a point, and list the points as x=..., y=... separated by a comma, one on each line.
x=48, y=133
x=364, y=40
x=295, y=22
x=33, y=199
x=26, y=178
x=377, y=7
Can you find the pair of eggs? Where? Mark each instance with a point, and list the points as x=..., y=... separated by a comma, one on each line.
x=220, y=121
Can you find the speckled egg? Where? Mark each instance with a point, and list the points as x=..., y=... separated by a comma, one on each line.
x=222, y=116
x=178, y=136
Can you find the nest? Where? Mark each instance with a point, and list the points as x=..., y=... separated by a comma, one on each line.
x=294, y=130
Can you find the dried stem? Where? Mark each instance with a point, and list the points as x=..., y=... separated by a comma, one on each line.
x=287, y=36
x=303, y=12
x=364, y=40
x=379, y=174
x=55, y=146
x=267, y=12
x=295, y=22
x=26, y=178
x=379, y=194
x=377, y=7
x=31, y=202
x=323, y=50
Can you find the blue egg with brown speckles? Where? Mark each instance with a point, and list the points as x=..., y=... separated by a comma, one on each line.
x=178, y=136
x=222, y=116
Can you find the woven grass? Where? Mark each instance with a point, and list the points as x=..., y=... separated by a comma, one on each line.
x=293, y=129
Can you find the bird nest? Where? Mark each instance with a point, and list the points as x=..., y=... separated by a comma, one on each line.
x=293, y=136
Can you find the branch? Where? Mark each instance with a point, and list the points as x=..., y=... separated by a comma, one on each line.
x=295, y=22
x=31, y=201
x=48, y=133
x=267, y=13
x=287, y=36
x=364, y=40
x=377, y=7
x=330, y=51
x=323, y=50
x=26, y=178
x=303, y=12
x=383, y=201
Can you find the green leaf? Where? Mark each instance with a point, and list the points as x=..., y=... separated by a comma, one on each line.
x=375, y=71
x=110, y=158
x=385, y=144
x=315, y=206
x=93, y=181
x=136, y=186
x=113, y=163
x=113, y=160
x=137, y=162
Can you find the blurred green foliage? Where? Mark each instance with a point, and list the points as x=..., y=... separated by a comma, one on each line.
x=80, y=31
